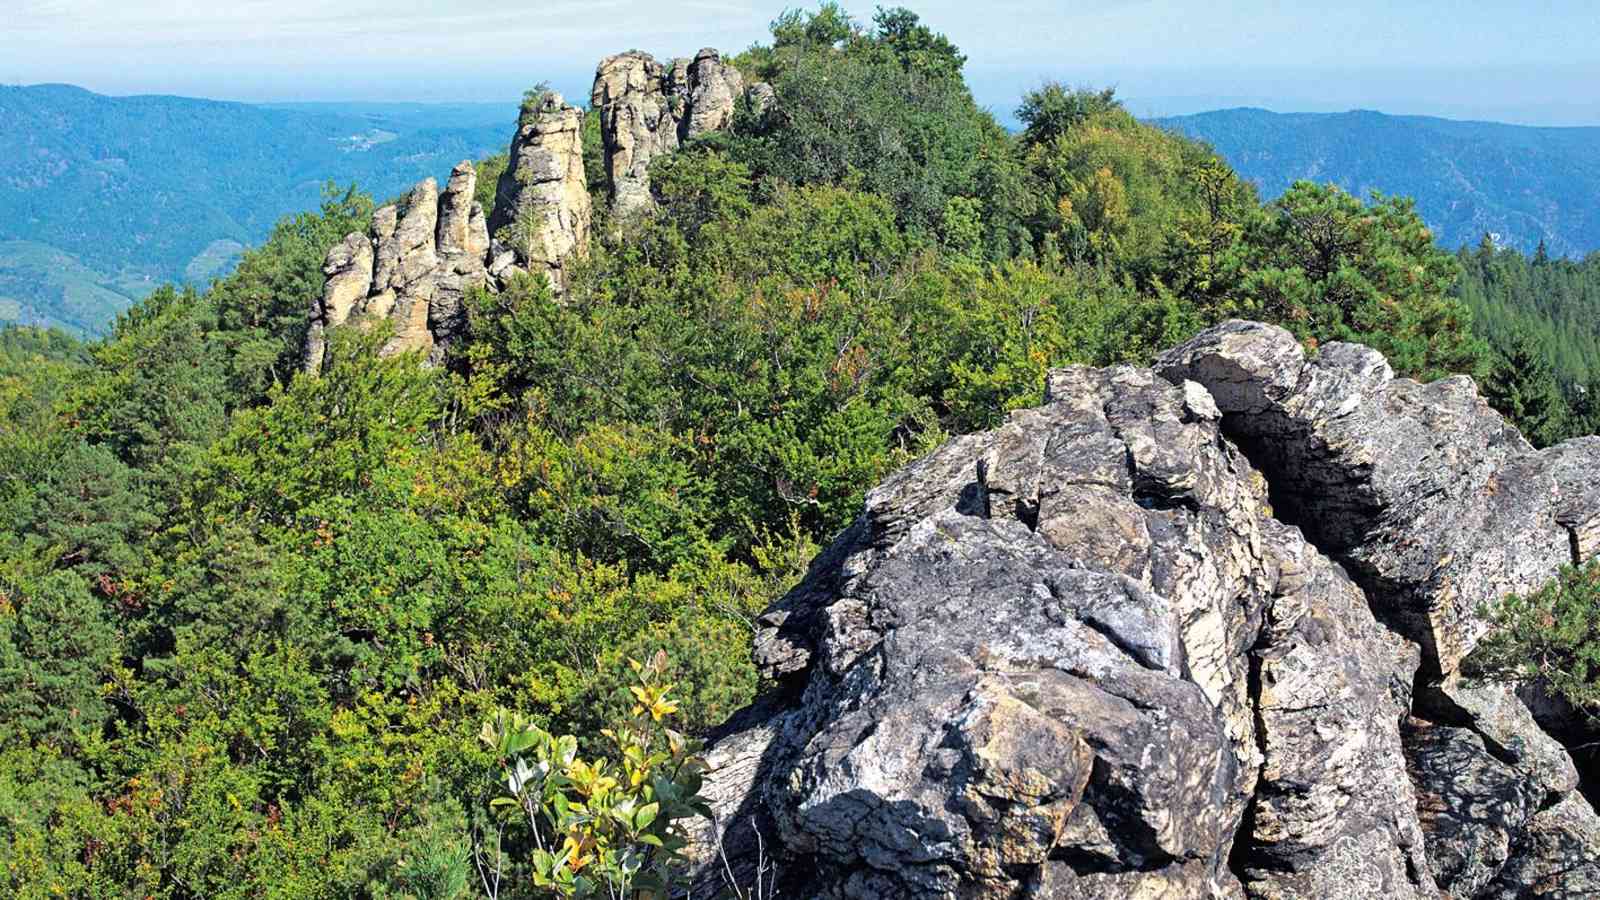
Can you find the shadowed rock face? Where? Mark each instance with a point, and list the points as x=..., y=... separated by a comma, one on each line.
x=1079, y=656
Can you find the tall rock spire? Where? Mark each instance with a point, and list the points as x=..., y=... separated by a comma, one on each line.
x=542, y=211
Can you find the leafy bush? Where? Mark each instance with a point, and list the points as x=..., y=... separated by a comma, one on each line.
x=600, y=827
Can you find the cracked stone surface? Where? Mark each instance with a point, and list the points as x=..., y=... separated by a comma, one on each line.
x=1091, y=654
x=422, y=256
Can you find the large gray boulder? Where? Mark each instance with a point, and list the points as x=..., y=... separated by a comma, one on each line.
x=1076, y=657
x=1091, y=654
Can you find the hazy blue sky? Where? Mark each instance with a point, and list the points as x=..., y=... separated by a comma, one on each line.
x=1535, y=61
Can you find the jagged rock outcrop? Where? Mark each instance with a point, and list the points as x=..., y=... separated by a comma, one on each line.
x=542, y=212
x=424, y=254
x=412, y=271
x=1091, y=655
x=648, y=109
x=348, y=269
x=1435, y=502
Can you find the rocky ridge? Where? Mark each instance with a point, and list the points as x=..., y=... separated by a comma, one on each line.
x=426, y=252
x=648, y=109
x=1192, y=631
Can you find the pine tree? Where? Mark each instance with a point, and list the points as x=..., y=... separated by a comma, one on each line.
x=1522, y=385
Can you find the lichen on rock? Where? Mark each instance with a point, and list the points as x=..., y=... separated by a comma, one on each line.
x=1083, y=655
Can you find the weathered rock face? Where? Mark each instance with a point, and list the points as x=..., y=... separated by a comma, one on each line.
x=422, y=257
x=647, y=109
x=542, y=211
x=1079, y=656
x=1433, y=500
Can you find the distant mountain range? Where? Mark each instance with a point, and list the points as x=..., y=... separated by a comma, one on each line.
x=103, y=198
x=1522, y=184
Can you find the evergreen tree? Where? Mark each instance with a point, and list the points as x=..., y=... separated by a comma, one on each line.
x=1522, y=385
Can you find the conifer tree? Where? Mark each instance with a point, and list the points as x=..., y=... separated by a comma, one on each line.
x=1522, y=385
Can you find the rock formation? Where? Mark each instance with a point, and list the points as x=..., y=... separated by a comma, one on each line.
x=463, y=245
x=648, y=109
x=1092, y=654
x=412, y=271
x=542, y=210
x=427, y=252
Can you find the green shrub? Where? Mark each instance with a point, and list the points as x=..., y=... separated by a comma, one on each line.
x=1551, y=635
x=600, y=827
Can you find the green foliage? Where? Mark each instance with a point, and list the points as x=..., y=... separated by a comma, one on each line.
x=489, y=171
x=918, y=48
x=1551, y=635
x=1333, y=268
x=57, y=645
x=1522, y=385
x=255, y=619
x=1053, y=110
x=826, y=28
x=25, y=346
x=600, y=827
x=1551, y=302
x=885, y=111
x=700, y=186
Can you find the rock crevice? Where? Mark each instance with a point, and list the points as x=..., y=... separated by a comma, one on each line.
x=1080, y=656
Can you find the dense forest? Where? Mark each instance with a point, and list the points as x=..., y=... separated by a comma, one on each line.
x=1526, y=185
x=253, y=622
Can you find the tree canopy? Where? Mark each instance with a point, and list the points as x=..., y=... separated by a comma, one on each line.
x=258, y=618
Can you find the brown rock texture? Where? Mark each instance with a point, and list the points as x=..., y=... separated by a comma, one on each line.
x=542, y=211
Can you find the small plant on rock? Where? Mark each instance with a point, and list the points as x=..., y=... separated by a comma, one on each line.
x=1552, y=634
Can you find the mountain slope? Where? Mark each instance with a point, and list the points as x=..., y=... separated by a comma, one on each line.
x=1469, y=178
x=165, y=188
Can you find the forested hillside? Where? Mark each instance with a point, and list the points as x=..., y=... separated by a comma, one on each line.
x=1530, y=186
x=253, y=622
x=136, y=191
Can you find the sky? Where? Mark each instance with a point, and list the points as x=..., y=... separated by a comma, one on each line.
x=1525, y=61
